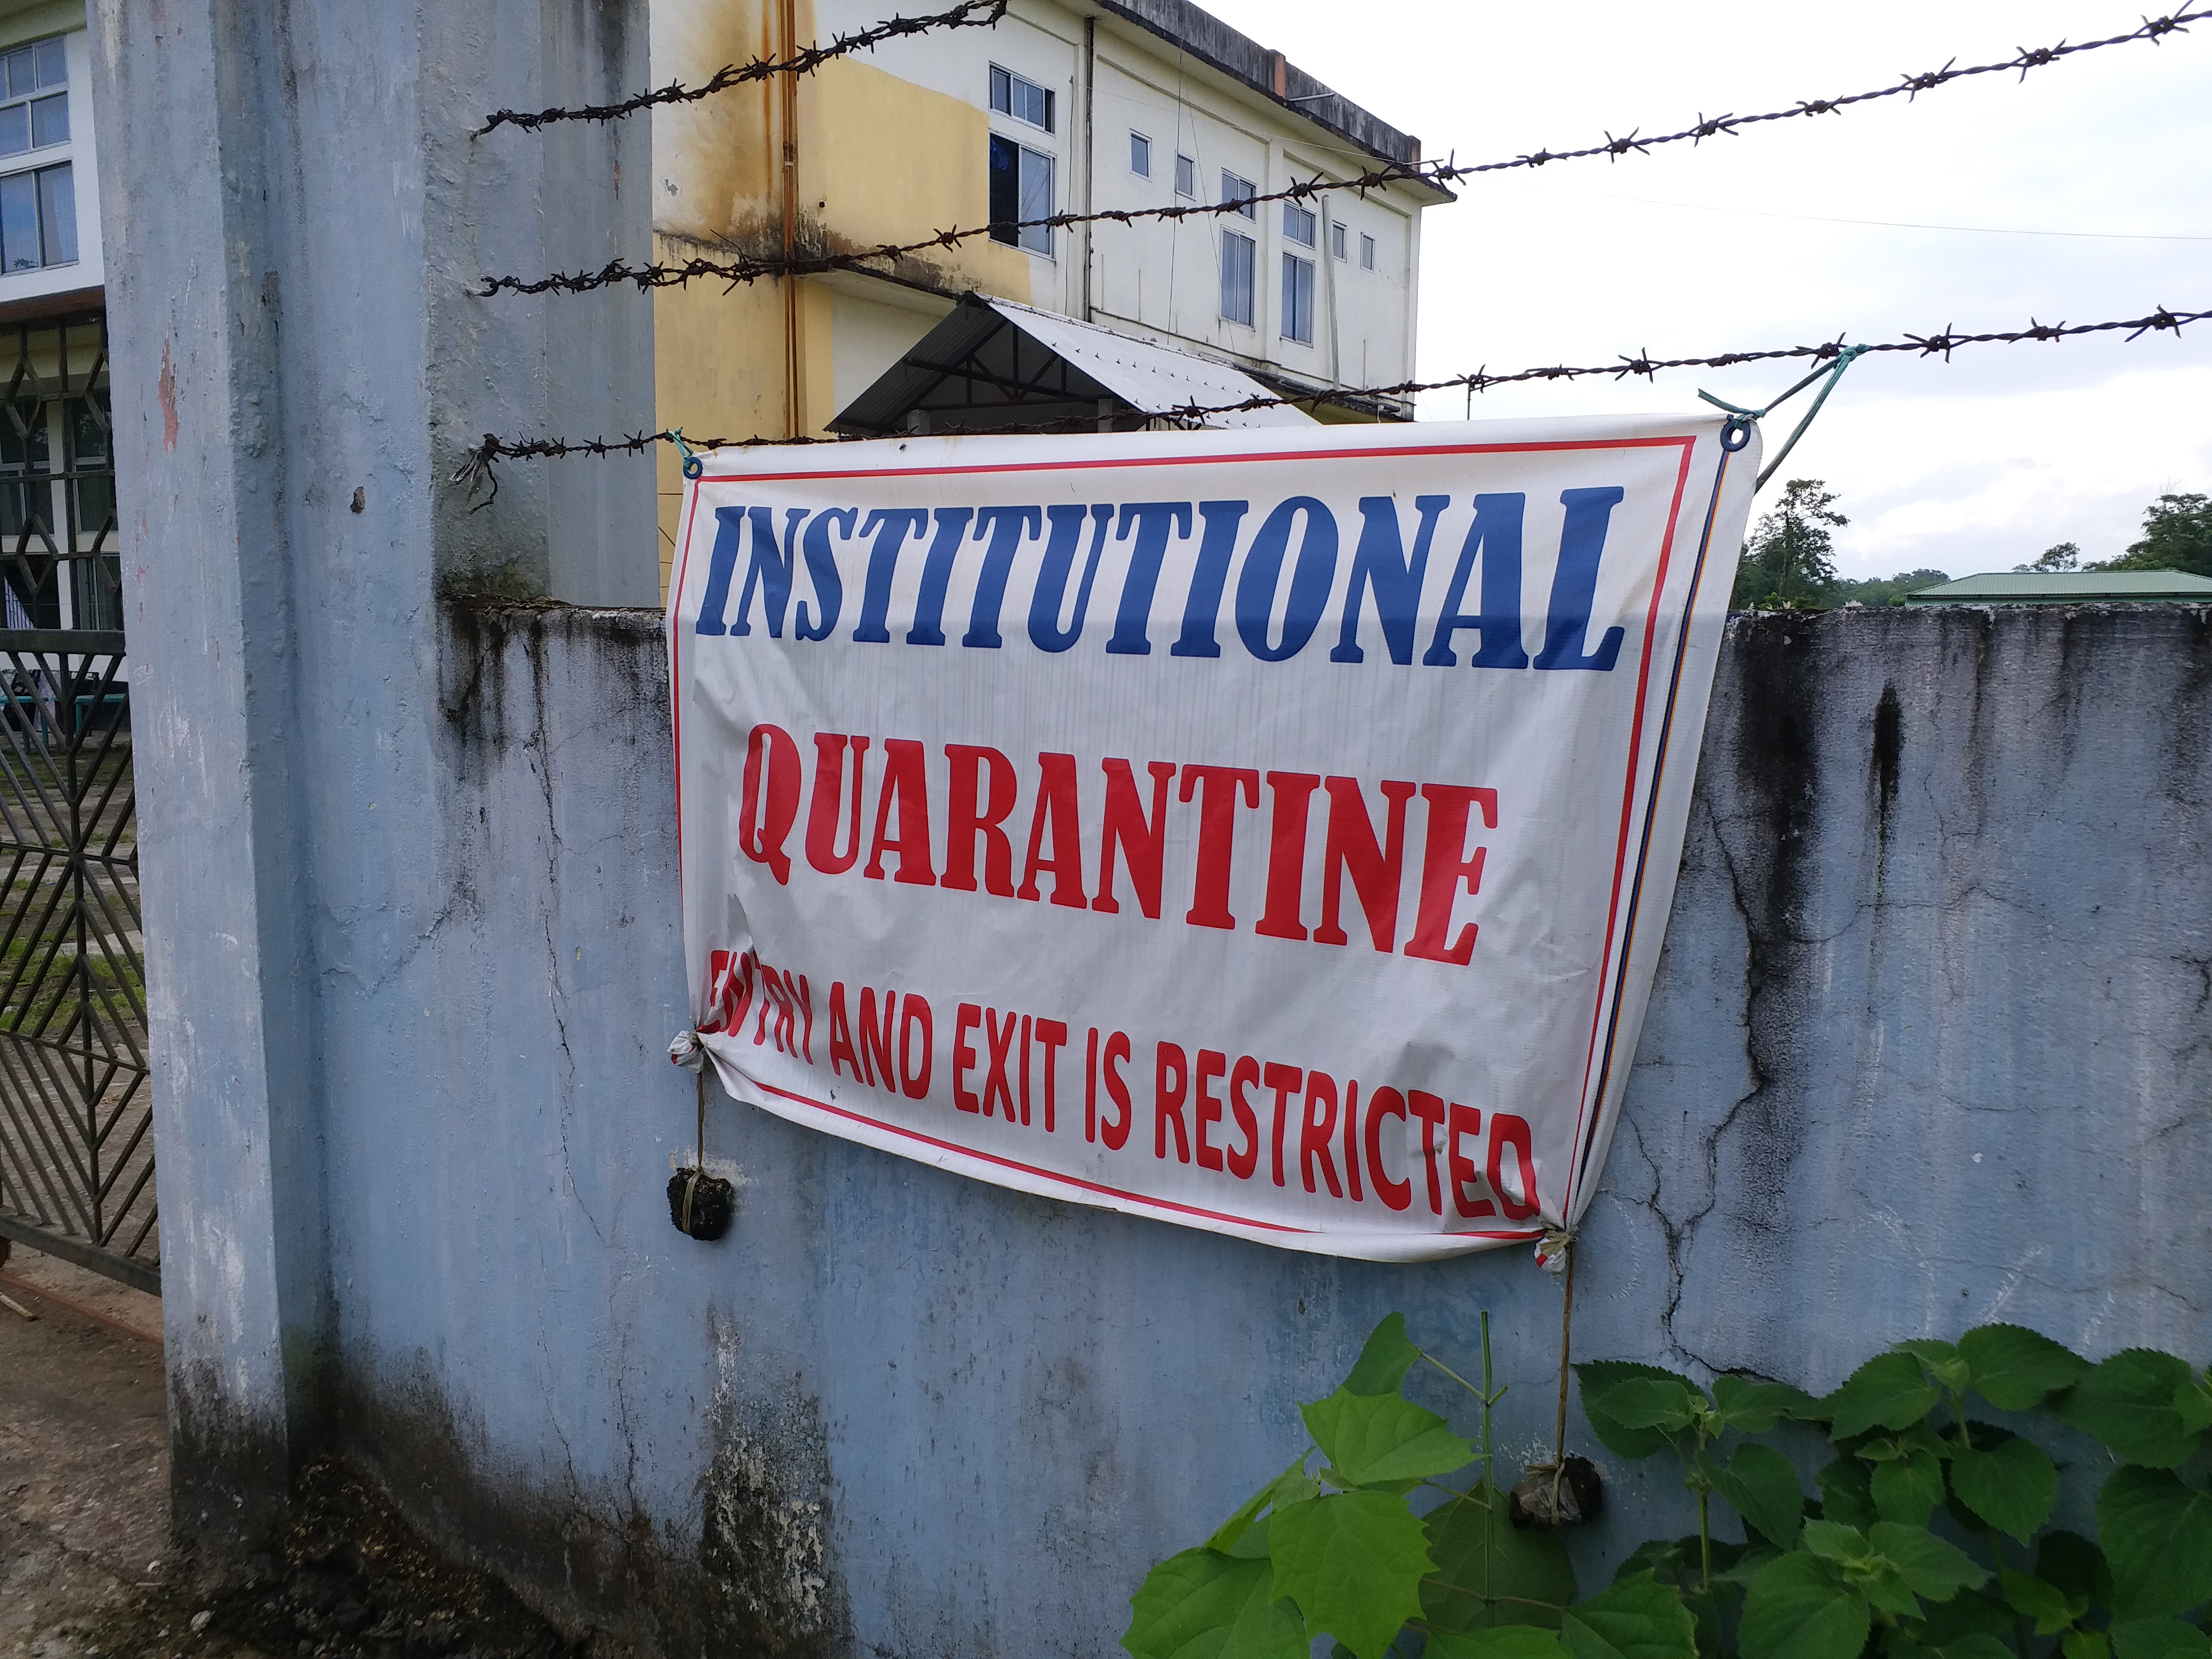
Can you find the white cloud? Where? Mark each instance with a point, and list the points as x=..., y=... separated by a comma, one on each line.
x=1977, y=464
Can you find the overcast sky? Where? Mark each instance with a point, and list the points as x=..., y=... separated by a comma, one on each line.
x=1978, y=465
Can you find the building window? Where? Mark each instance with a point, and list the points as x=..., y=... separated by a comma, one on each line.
x=1024, y=100
x=1140, y=155
x=1336, y=241
x=34, y=107
x=1367, y=253
x=1298, y=224
x=1187, y=176
x=1234, y=189
x=38, y=219
x=1021, y=189
x=1239, y=265
x=1298, y=299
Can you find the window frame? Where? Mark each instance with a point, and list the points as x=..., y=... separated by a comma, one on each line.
x=1029, y=238
x=1367, y=252
x=42, y=93
x=1301, y=225
x=1001, y=75
x=1140, y=146
x=1249, y=257
x=1339, y=240
x=1236, y=188
x=1298, y=280
x=1186, y=179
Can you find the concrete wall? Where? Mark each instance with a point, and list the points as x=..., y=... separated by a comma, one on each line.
x=1931, y=1045
x=296, y=213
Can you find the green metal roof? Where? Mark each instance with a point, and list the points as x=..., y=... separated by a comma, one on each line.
x=2067, y=587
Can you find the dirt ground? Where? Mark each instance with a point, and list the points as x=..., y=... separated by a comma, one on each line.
x=87, y=1566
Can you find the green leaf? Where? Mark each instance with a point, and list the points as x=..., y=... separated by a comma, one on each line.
x=1940, y=1357
x=2076, y=1565
x=1383, y=1362
x=2086, y=1644
x=2130, y=1402
x=2050, y=1606
x=1481, y=1556
x=1974, y=1646
x=1666, y=1403
x=1762, y=1485
x=1202, y=1605
x=1755, y=1407
x=1638, y=1618
x=1831, y=1541
x=1908, y=1487
x=2157, y=1534
x=1507, y=1642
x=1798, y=1609
x=1970, y=1613
x=2160, y=1638
x=1931, y=1567
x=1888, y=1392
x=2193, y=1404
x=1372, y=1438
x=1227, y=1534
x=1596, y=1376
x=1846, y=1493
x=2011, y=1486
x=1353, y=1564
x=2015, y=1368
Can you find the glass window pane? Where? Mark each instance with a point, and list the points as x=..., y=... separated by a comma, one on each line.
x=1238, y=267
x=1236, y=189
x=1187, y=177
x=1005, y=188
x=1298, y=299
x=53, y=63
x=1367, y=253
x=1298, y=224
x=22, y=73
x=57, y=213
x=14, y=129
x=1036, y=200
x=1002, y=94
x=1336, y=240
x=1044, y=110
x=19, y=223
x=50, y=120
x=1140, y=155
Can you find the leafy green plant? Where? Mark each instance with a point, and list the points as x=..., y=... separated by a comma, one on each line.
x=1929, y=1538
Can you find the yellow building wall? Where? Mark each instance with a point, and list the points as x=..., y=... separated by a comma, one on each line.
x=878, y=160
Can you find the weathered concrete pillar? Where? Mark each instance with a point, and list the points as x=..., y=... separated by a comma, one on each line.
x=295, y=211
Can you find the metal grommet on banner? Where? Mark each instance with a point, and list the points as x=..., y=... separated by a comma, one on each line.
x=700, y=1206
x=693, y=466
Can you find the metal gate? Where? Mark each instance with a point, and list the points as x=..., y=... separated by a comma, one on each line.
x=76, y=1143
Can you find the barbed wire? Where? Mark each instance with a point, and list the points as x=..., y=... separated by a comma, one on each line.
x=746, y=268
x=969, y=14
x=476, y=468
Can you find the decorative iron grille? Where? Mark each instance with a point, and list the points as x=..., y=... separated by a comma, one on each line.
x=76, y=1144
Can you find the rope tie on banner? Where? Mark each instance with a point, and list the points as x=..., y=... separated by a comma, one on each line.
x=705, y=1203
x=693, y=466
x=1736, y=432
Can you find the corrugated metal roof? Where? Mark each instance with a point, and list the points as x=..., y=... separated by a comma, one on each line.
x=2066, y=587
x=996, y=366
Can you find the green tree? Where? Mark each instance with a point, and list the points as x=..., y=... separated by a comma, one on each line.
x=2176, y=535
x=2067, y=556
x=1789, y=564
x=1877, y=591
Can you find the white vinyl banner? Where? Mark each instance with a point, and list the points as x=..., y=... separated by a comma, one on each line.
x=1270, y=831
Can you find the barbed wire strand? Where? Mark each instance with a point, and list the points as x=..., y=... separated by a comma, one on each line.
x=969, y=15
x=747, y=268
x=476, y=468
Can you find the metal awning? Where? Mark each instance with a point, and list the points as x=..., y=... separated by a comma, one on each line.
x=993, y=365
